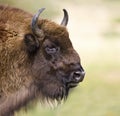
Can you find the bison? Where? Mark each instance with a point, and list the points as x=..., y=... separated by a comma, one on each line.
x=37, y=59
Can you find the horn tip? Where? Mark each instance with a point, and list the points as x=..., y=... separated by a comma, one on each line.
x=64, y=10
x=40, y=10
x=65, y=19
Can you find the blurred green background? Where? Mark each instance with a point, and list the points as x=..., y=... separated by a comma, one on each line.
x=94, y=28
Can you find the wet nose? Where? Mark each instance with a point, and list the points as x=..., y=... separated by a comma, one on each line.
x=78, y=75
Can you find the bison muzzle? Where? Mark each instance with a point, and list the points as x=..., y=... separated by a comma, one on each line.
x=37, y=59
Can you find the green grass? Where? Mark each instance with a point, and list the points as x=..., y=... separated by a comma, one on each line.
x=94, y=97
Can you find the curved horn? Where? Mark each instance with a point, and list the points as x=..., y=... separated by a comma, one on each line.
x=65, y=18
x=34, y=25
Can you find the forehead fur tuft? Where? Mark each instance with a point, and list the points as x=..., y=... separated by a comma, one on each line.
x=50, y=27
x=55, y=32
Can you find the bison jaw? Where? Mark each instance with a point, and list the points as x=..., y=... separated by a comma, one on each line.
x=58, y=85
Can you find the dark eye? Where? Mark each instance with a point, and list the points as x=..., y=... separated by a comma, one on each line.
x=51, y=50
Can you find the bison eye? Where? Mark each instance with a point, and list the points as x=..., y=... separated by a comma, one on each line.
x=51, y=50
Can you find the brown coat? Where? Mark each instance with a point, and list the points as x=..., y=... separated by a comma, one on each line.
x=31, y=67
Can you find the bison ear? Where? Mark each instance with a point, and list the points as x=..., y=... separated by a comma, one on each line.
x=31, y=43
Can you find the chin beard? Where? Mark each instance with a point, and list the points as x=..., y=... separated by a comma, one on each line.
x=52, y=95
x=54, y=90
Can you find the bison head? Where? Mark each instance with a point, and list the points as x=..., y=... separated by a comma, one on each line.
x=54, y=64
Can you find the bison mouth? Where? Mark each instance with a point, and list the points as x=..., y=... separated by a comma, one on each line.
x=69, y=80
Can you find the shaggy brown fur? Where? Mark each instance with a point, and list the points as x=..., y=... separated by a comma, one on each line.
x=28, y=70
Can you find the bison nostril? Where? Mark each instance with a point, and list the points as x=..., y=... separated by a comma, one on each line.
x=78, y=75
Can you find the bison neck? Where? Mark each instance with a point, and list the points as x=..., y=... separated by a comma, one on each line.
x=15, y=101
x=16, y=89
